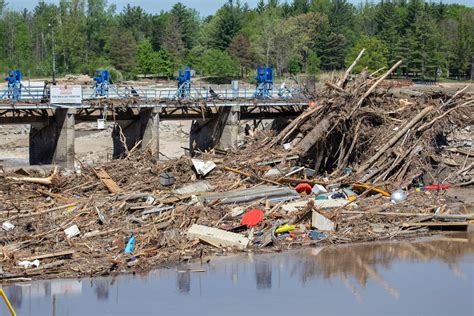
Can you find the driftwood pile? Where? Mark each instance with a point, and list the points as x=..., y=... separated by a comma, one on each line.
x=356, y=131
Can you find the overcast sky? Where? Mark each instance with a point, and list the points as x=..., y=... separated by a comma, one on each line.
x=205, y=7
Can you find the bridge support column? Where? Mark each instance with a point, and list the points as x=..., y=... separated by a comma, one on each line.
x=221, y=131
x=53, y=142
x=230, y=134
x=145, y=128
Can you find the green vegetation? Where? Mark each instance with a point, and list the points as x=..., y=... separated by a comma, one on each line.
x=434, y=39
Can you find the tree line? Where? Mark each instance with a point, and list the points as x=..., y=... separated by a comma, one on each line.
x=299, y=36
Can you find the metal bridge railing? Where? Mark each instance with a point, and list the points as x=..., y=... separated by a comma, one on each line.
x=198, y=93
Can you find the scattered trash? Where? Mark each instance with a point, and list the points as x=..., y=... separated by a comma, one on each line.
x=196, y=187
x=303, y=187
x=167, y=179
x=287, y=146
x=285, y=229
x=377, y=228
x=272, y=193
x=319, y=189
x=370, y=188
x=130, y=247
x=203, y=168
x=237, y=211
x=101, y=215
x=150, y=200
x=217, y=237
x=252, y=218
x=294, y=206
x=315, y=235
x=336, y=203
x=157, y=210
x=72, y=231
x=322, y=223
x=28, y=264
x=8, y=226
x=436, y=187
x=398, y=196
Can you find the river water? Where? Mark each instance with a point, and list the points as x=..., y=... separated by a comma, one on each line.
x=427, y=277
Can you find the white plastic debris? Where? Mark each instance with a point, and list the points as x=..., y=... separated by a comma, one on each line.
x=287, y=146
x=217, y=237
x=319, y=189
x=203, y=167
x=398, y=196
x=8, y=226
x=237, y=211
x=150, y=200
x=28, y=264
x=322, y=223
x=72, y=231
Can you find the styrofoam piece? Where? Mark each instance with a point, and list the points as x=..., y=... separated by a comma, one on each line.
x=196, y=187
x=318, y=189
x=336, y=203
x=72, y=231
x=203, y=167
x=322, y=223
x=218, y=237
x=8, y=226
x=294, y=206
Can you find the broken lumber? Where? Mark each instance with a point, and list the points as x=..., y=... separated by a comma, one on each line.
x=107, y=181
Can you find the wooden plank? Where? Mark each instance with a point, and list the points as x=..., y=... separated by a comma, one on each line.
x=50, y=255
x=107, y=181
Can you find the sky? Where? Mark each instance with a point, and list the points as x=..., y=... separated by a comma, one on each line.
x=204, y=7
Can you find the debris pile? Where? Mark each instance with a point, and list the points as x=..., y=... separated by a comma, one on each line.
x=360, y=164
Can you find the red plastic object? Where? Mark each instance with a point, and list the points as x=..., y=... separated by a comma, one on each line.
x=252, y=218
x=303, y=187
x=436, y=187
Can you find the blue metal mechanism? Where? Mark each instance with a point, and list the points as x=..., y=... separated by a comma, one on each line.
x=102, y=82
x=184, y=84
x=14, y=85
x=264, y=83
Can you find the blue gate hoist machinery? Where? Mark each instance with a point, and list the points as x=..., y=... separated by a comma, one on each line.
x=184, y=84
x=102, y=82
x=14, y=85
x=264, y=83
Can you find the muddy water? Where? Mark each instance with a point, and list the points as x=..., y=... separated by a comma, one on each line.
x=427, y=277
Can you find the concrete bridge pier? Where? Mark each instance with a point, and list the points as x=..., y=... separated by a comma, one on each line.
x=221, y=131
x=145, y=128
x=53, y=142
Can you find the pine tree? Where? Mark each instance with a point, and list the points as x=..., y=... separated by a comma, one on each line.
x=123, y=50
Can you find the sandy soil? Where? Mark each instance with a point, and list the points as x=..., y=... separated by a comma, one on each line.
x=92, y=145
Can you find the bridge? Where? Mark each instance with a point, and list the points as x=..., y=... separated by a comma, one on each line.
x=137, y=112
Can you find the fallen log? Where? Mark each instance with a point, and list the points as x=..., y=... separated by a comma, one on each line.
x=317, y=133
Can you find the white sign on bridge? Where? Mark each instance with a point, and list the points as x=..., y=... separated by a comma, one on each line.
x=66, y=95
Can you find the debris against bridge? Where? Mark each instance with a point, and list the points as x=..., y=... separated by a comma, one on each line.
x=360, y=164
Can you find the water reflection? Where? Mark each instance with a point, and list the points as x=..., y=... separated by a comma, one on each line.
x=360, y=271
x=184, y=282
x=263, y=274
x=361, y=262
